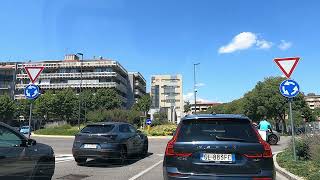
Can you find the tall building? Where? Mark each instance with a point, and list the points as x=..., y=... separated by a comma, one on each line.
x=166, y=93
x=72, y=73
x=313, y=100
x=137, y=87
x=7, y=78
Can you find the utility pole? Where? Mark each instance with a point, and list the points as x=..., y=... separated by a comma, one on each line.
x=80, y=89
x=195, y=87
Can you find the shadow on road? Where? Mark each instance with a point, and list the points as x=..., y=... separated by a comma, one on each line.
x=112, y=163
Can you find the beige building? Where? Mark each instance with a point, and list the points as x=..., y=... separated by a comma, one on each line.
x=166, y=94
x=313, y=100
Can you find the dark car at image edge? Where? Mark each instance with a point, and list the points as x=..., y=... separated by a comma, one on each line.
x=217, y=146
x=109, y=140
x=23, y=158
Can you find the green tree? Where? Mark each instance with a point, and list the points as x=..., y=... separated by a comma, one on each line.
x=7, y=108
x=143, y=104
x=22, y=108
x=44, y=106
x=316, y=112
x=265, y=99
x=187, y=107
x=66, y=105
x=107, y=99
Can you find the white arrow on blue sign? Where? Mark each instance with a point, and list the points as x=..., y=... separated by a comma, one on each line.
x=31, y=91
x=289, y=88
x=148, y=121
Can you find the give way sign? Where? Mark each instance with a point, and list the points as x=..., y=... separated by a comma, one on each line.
x=33, y=72
x=287, y=65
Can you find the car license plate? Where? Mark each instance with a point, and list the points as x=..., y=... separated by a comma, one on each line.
x=90, y=146
x=217, y=157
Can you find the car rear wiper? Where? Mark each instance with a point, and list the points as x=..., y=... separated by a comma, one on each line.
x=219, y=138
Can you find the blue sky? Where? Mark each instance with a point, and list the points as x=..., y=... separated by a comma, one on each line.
x=235, y=41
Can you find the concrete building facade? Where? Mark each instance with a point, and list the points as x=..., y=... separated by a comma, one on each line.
x=137, y=87
x=203, y=106
x=167, y=93
x=313, y=100
x=72, y=73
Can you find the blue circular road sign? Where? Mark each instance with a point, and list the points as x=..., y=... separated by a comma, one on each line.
x=31, y=91
x=148, y=121
x=289, y=88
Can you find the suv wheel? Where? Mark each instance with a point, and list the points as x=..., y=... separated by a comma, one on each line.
x=123, y=155
x=42, y=171
x=144, y=151
x=80, y=161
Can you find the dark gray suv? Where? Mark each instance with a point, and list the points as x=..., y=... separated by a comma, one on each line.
x=217, y=146
x=109, y=140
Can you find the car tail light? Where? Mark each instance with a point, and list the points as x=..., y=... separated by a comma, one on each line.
x=267, y=153
x=170, y=150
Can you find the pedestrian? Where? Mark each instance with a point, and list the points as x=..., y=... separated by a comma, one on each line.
x=265, y=128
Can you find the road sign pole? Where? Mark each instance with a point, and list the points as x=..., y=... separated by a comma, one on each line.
x=292, y=129
x=30, y=118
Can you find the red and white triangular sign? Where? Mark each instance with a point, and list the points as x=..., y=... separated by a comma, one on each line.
x=287, y=65
x=33, y=72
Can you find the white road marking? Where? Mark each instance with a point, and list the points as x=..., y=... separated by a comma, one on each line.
x=145, y=171
x=64, y=158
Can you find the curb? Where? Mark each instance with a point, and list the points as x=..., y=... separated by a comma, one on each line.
x=284, y=172
x=58, y=136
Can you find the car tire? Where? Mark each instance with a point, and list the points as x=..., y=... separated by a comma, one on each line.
x=41, y=171
x=272, y=139
x=144, y=150
x=123, y=155
x=80, y=161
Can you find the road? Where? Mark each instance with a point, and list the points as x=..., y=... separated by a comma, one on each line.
x=136, y=169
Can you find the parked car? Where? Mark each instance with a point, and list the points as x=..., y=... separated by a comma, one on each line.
x=25, y=129
x=217, y=146
x=109, y=140
x=23, y=158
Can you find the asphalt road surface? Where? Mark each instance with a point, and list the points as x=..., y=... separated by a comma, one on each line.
x=148, y=168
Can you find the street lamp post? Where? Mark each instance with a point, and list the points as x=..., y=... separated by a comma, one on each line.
x=194, y=87
x=80, y=89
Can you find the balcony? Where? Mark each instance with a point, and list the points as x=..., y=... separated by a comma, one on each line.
x=120, y=87
x=78, y=64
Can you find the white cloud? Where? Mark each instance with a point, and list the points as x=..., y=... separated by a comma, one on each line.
x=200, y=84
x=263, y=44
x=284, y=45
x=241, y=41
x=188, y=96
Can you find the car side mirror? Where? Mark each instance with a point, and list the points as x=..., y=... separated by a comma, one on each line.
x=31, y=142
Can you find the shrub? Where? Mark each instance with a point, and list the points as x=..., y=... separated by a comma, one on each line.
x=315, y=149
x=163, y=130
x=302, y=148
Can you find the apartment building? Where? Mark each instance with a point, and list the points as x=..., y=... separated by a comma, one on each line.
x=137, y=86
x=166, y=93
x=7, y=78
x=313, y=100
x=73, y=73
x=203, y=106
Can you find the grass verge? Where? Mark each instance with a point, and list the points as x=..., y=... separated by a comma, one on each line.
x=64, y=130
x=308, y=169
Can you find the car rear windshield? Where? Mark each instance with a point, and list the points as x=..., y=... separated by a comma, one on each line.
x=97, y=129
x=216, y=130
